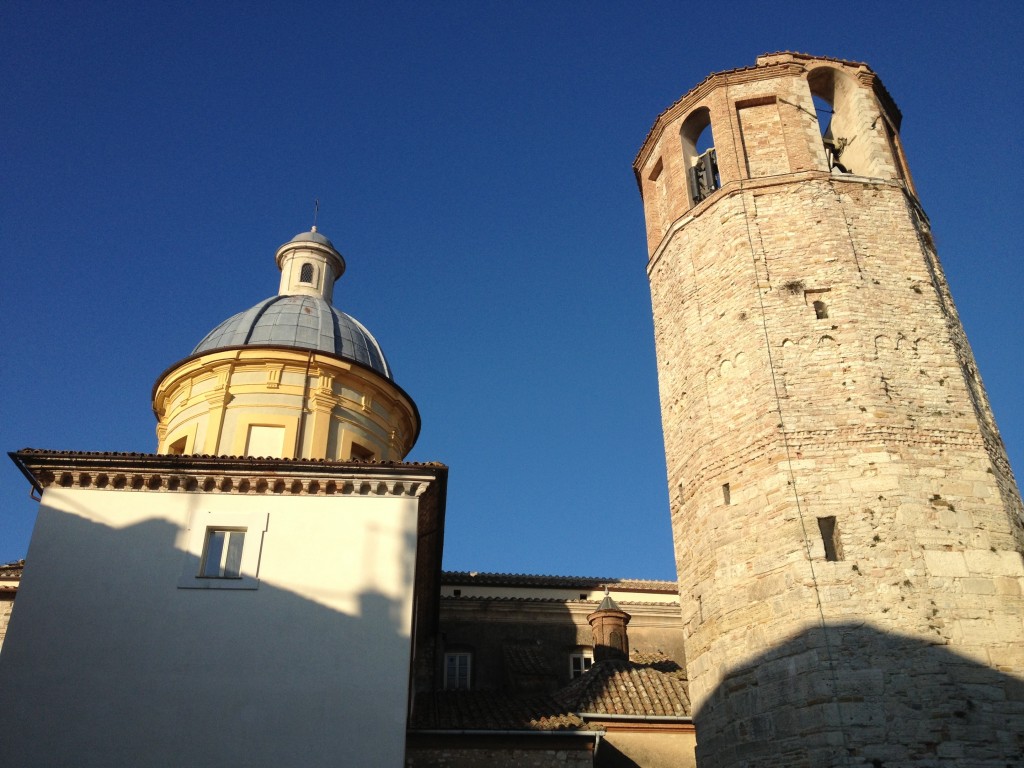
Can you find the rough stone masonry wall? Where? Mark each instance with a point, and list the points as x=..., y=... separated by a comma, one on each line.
x=908, y=649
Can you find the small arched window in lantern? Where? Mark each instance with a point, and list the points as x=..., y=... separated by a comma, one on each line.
x=306, y=274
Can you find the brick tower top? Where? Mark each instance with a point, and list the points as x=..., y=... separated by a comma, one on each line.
x=823, y=116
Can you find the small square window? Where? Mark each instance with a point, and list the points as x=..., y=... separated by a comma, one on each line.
x=580, y=661
x=222, y=550
x=222, y=554
x=361, y=453
x=816, y=300
x=456, y=671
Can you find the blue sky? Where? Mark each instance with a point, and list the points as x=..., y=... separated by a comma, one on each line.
x=473, y=163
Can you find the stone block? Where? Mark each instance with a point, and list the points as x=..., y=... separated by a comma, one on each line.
x=989, y=563
x=978, y=586
x=945, y=564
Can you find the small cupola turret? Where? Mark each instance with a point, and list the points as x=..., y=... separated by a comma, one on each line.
x=310, y=265
x=609, y=625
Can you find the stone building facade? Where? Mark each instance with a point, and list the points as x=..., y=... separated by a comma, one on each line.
x=848, y=532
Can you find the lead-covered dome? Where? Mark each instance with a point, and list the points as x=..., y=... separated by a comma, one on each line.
x=307, y=322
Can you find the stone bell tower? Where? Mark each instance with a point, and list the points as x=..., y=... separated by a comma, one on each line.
x=848, y=532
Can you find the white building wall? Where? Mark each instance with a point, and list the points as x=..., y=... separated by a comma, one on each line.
x=111, y=663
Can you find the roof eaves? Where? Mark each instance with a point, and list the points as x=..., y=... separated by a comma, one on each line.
x=478, y=578
x=37, y=464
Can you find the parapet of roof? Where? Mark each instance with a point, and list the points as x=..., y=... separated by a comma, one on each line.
x=475, y=578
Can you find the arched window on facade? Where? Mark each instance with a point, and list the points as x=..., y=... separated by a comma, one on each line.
x=306, y=274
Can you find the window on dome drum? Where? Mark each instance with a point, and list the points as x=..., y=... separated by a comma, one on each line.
x=456, y=671
x=177, y=448
x=361, y=453
x=265, y=440
x=222, y=553
x=580, y=661
x=306, y=274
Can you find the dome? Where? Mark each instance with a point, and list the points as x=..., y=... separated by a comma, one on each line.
x=312, y=237
x=306, y=322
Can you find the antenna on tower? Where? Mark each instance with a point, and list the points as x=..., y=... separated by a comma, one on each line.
x=316, y=212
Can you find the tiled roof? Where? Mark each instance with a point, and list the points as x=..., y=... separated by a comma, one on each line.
x=12, y=570
x=190, y=458
x=652, y=686
x=492, y=710
x=475, y=578
x=627, y=688
x=524, y=659
x=658, y=661
x=10, y=574
x=557, y=600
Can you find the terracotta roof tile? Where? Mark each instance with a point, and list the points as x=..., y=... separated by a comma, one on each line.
x=655, y=687
x=524, y=659
x=491, y=710
x=192, y=457
x=658, y=661
x=469, y=578
x=12, y=570
x=627, y=688
x=558, y=600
